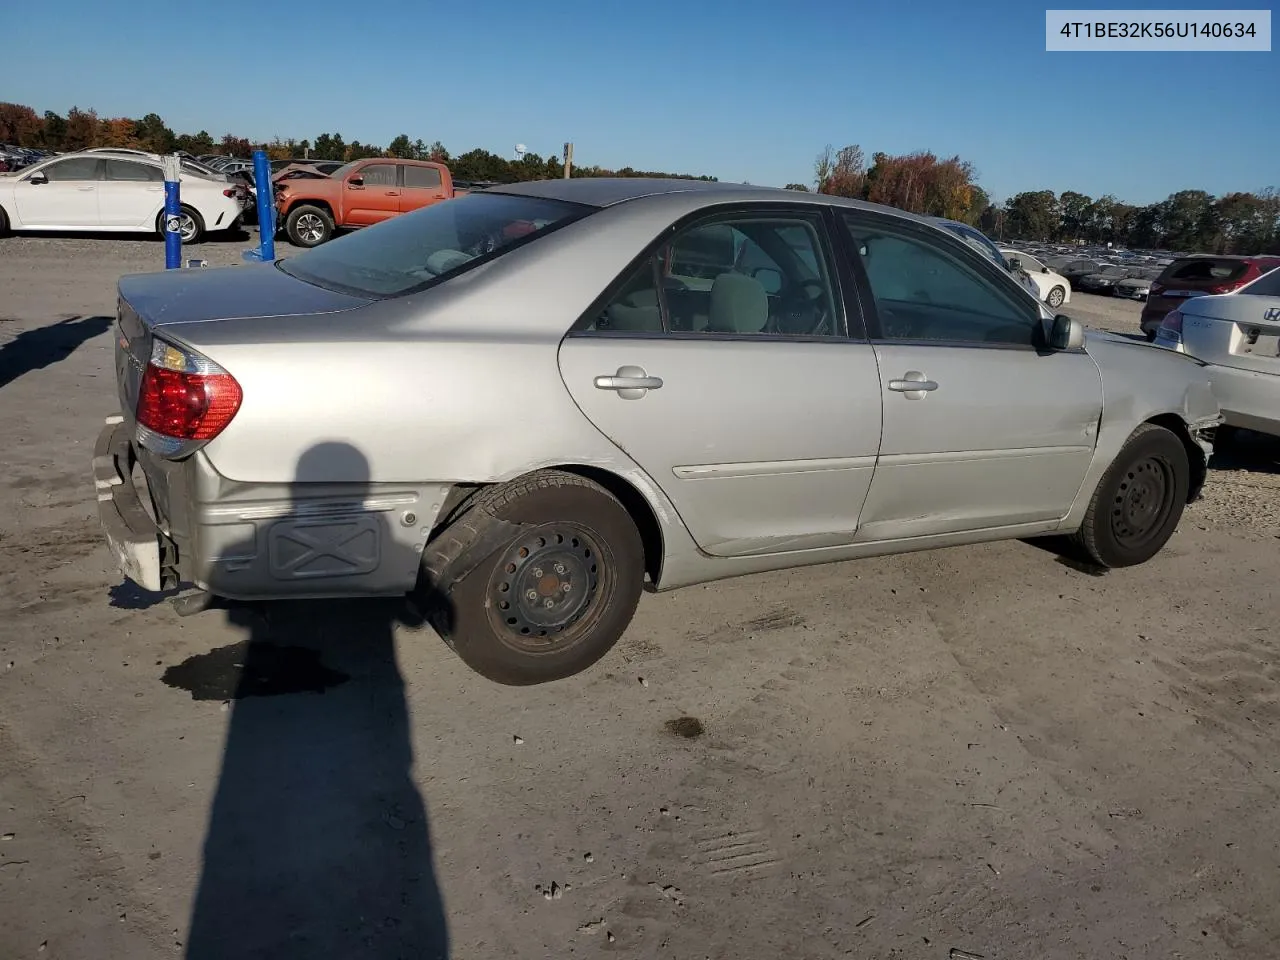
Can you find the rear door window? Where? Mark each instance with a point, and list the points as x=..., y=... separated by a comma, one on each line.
x=135, y=172
x=421, y=177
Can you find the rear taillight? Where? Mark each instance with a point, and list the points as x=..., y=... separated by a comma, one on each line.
x=1156, y=289
x=184, y=401
x=229, y=192
x=1171, y=326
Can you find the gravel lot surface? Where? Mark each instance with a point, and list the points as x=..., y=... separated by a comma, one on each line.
x=980, y=751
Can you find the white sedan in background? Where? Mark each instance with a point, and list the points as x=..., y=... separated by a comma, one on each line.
x=1055, y=289
x=104, y=192
x=1238, y=336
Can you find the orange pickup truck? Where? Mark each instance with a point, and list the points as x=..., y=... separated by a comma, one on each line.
x=359, y=194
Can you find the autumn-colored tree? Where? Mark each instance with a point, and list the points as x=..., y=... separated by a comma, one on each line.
x=117, y=132
x=82, y=129
x=19, y=123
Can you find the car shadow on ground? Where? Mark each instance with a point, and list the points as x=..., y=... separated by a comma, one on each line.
x=43, y=346
x=1247, y=450
x=318, y=843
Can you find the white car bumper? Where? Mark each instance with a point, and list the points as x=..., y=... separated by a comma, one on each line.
x=1248, y=399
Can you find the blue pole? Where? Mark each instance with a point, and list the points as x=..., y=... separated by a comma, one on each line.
x=266, y=206
x=172, y=214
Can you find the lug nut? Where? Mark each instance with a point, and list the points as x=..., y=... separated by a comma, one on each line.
x=559, y=568
x=537, y=572
x=532, y=594
x=548, y=603
x=566, y=587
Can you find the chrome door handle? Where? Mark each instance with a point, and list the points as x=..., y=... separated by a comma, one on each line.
x=913, y=384
x=630, y=383
x=85, y=189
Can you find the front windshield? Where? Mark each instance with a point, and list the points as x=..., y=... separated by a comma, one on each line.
x=415, y=250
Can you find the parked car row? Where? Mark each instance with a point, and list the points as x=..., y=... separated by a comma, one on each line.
x=14, y=158
x=110, y=190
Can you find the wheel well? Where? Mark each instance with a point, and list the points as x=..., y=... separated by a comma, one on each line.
x=304, y=202
x=461, y=496
x=4, y=218
x=1195, y=456
x=645, y=519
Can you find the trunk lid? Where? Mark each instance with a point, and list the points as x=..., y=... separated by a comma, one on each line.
x=1237, y=330
x=148, y=302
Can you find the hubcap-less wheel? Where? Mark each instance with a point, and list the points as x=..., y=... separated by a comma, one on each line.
x=1142, y=502
x=310, y=228
x=543, y=586
x=1056, y=296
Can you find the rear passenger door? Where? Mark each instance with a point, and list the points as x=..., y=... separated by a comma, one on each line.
x=724, y=365
x=375, y=198
x=422, y=186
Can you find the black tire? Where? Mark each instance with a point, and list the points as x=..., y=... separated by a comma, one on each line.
x=1150, y=335
x=1139, y=501
x=4, y=222
x=499, y=617
x=1056, y=296
x=308, y=225
x=193, y=225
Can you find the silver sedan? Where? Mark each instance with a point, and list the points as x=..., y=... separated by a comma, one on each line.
x=525, y=406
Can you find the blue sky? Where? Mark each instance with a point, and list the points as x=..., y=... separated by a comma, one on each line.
x=744, y=91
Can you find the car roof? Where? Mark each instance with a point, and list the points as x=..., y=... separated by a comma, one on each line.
x=610, y=191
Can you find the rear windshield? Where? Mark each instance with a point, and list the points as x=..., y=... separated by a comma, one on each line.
x=416, y=250
x=1267, y=285
x=1205, y=270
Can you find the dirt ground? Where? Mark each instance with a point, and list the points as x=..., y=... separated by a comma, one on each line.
x=977, y=752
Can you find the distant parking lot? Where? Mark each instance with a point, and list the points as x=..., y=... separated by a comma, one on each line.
x=981, y=749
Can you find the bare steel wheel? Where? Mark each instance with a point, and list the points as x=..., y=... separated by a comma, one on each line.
x=540, y=589
x=1142, y=501
x=537, y=579
x=1139, y=501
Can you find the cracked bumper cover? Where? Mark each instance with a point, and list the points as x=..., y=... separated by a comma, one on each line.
x=135, y=540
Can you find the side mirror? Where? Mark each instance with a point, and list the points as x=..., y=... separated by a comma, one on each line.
x=356, y=181
x=38, y=177
x=1067, y=334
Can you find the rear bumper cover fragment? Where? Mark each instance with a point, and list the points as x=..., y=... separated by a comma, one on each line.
x=132, y=535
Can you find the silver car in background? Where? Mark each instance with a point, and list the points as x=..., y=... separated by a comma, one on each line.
x=526, y=405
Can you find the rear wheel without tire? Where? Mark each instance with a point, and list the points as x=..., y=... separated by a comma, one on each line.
x=308, y=226
x=1056, y=296
x=556, y=594
x=1138, y=504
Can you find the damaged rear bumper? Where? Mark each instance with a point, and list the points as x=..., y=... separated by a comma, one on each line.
x=140, y=548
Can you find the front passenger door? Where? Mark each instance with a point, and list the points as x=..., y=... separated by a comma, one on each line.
x=68, y=199
x=999, y=431
x=375, y=198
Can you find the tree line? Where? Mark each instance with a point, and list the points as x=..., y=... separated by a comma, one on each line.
x=81, y=129
x=920, y=182
x=1192, y=221
x=1189, y=220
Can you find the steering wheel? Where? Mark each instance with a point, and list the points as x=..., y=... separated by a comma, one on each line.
x=799, y=304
